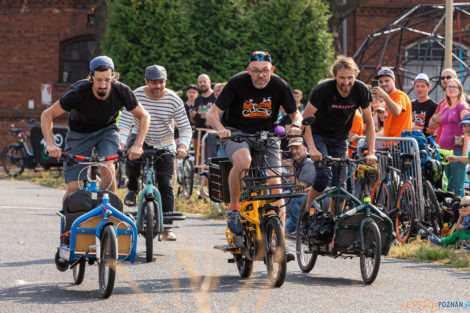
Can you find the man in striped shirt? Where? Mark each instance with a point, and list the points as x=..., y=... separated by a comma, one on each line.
x=165, y=108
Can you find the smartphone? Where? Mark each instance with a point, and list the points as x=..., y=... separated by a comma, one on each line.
x=375, y=83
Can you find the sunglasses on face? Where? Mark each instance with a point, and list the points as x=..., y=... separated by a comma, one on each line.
x=446, y=77
x=465, y=205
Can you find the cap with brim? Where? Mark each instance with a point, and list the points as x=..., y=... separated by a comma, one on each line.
x=385, y=72
x=101, y=61
x=155, y=72
x=295, y=142
x=466, y=119
x=422, y=77
x=192, y=86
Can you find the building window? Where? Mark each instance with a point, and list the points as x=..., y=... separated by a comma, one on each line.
x=75, y=55
x=428, y=50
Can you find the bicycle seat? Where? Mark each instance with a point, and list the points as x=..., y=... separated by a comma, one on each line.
x=16, y=130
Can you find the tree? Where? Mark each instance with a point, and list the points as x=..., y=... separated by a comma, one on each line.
x=142, y=33
x=295, y=33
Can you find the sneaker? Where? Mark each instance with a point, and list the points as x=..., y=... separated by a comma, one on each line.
x=291, y=235
x=435, y=240
x=290, y=257
x=168, y=235
x=234, y=222
x=466, y=248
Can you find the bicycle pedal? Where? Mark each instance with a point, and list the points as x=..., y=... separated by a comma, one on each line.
x=226, y=248
x=231, y=260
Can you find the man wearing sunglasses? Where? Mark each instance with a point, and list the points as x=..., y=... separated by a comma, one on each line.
x=460, y=230
x=446, y=75
x=94, y=104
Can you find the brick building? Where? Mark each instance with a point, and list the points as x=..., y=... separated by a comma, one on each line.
x=51, y=41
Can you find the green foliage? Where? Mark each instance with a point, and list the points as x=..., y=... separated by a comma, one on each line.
x=190, y=37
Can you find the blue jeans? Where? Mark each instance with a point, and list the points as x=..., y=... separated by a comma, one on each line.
x=336, y=148
x=293, y=210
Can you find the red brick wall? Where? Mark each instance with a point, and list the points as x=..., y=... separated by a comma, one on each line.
x=31, y=32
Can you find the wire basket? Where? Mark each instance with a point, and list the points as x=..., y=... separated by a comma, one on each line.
x=219, y=169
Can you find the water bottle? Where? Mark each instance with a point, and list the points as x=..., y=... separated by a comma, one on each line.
x=445, y=231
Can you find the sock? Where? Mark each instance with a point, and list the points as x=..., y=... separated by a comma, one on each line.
x=233, y=207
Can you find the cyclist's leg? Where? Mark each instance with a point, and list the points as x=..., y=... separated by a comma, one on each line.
x=133, y=169
x=322, y=173
x=108, y=144
x=338, y=149
x=164, y=173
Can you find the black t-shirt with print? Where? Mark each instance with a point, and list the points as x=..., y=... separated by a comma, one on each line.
x=250, y=109
x=422, y=112
x=89, y=114
x=335, y=114
x=202, y=104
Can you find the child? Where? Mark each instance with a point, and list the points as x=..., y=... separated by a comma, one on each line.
x=460, y=230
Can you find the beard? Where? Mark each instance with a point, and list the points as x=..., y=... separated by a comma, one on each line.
x=345, y=88
x=101, y=92
x=260, y=84
x=204, y=89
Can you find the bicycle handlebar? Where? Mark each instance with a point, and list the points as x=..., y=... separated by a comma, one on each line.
x=76, y=157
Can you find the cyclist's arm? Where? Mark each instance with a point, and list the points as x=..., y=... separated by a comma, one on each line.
x=296, y=119
x=314, y=153
x=144, y=122
x=47, y=124
x=213, y=121
x=370, y=131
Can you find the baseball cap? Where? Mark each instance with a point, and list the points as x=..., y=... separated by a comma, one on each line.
x=155, y=72
x=259, y=56
x=102, y=60
x=381, y=107
x=385, y=72
x=295, y=142
x=466, y=119
x=422, y=77
x=192, y=86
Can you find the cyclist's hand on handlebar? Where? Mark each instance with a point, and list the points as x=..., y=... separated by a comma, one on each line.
x=181, y=153
x=135, y=152
x=316, y=155
x=294, y=130
x=223, y=133
x=371, y=159
x=53, y=151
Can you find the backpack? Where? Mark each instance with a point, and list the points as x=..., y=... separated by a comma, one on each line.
x=419, y=136
x=321, y=227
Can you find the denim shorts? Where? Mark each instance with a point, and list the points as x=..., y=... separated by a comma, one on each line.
x=273, y=157
x=105, y=141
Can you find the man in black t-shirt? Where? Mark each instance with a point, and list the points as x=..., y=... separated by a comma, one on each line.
x=334, y=103
x=423, y=107
x=94, y=104
x=250, y=102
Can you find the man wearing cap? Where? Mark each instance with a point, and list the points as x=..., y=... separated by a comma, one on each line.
x=334, y=103
x=250, y=102
x=423, y=107
x=397, y=103
x=304, y=170
x=165, y=108
x=94, y=104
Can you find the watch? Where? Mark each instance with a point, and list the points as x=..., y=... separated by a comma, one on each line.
x=295, y=125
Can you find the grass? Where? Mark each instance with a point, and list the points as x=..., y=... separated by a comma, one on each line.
x=424, y=251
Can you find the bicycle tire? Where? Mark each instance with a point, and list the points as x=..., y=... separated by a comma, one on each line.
x=306, y=261
x=432, y=208
x=380, y=196
x=79, y=272
x=108, y=261
x=13, y=160
x=244, y=266
x=404, y=220
x=187, y=176
x=148, y=213
x=370, y=257
x=276, y=259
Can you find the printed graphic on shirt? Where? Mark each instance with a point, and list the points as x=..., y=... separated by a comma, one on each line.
x=351, y=104
x=419, y=118
x=207, y=107
x=252, y=109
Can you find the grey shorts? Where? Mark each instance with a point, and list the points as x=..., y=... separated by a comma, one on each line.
x=106, y=142
x=273, y=157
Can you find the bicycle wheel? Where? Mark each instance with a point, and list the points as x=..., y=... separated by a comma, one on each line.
x=187, y=175
x=276, y=262
x=305, y=260
x=370, y=257
x=79, y=272
x=406, y=206
x=13, y=160
x=148, y=211
x=432, y=210
x=108, y=261
x=380, y=196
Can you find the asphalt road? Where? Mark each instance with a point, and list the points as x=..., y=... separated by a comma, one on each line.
x=190, y=276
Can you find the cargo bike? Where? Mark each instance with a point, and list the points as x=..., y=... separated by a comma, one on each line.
x=362, y=231
x=93, y=228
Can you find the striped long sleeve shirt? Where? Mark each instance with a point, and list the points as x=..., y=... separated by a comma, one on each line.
x=163, y=112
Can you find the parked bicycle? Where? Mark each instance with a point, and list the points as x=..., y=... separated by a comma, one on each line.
x=185, y=177
x=93, y=228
